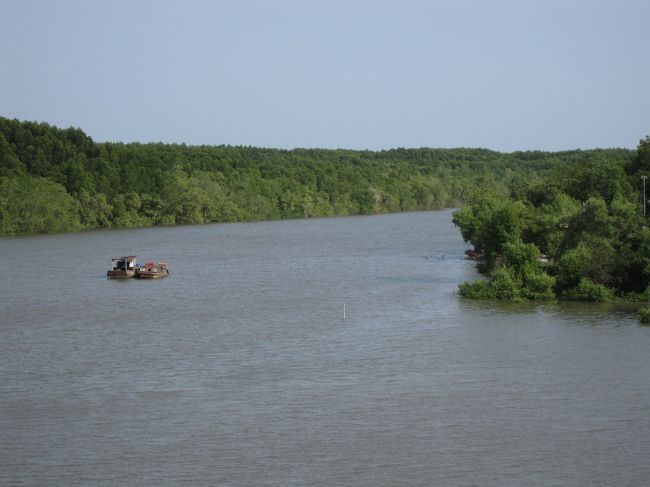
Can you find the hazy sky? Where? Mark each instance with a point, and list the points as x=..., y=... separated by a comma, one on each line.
x=501, y=74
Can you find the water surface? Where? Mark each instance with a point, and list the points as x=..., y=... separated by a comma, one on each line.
x=239, y=369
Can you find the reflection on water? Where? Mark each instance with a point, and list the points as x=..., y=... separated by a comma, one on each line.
x=239, y=369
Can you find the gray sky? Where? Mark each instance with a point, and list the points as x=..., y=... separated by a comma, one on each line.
x=501, y=74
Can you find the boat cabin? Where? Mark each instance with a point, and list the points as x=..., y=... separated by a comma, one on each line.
x=123, y=267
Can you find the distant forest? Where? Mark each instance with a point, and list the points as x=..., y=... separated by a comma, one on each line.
x=60, y=180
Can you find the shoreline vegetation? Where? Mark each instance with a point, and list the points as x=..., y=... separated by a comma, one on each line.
x=544, y=225
x=577, y=233
x=59, y=180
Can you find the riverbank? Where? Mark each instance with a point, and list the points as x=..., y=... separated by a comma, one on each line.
x=60, y=180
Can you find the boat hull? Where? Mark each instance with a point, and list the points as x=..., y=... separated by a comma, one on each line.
x=145, y=274
x=120, y=274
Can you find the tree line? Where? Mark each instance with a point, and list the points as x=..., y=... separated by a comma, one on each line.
x=577, y=233
x=58, y=180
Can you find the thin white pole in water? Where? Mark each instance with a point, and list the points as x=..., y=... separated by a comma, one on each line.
x=344, y=317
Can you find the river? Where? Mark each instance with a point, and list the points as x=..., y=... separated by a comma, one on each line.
x=239, y=369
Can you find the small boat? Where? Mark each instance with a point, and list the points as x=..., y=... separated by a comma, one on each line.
x=123, y=268
x=151, y=270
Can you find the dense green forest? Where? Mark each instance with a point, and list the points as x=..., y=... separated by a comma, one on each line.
x=578, y=233
x=57, y=180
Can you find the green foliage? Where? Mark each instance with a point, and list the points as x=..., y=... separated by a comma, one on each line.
x=550, y=222
x=521, y=255
x=491, y=223
x=524, y=261
x=538, y=286
x=505, y=284
x=587, y=290
x=479, y=289
x=468, y=224
x=586, y=219
x=118, y=185
x=644, y=315
x=30, y=205
x=572, y=266
x=641, y=162
x=94, y=211
x=520, y=277
x=595, y=177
